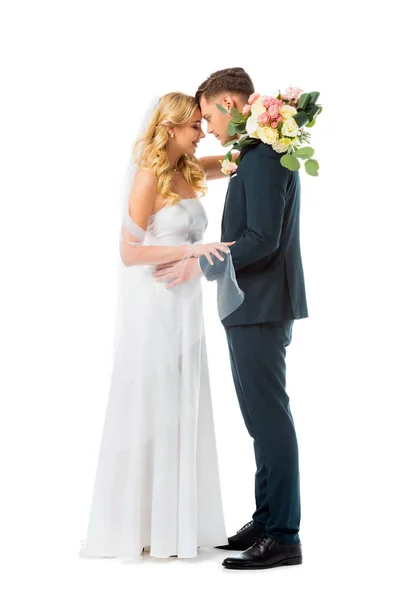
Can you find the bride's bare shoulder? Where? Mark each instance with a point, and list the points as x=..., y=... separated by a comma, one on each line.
x=143, y=193
x=146, y=177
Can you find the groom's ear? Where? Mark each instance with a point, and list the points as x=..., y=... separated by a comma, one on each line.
x=228, y=101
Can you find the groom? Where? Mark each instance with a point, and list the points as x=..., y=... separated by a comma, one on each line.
x=262, y=214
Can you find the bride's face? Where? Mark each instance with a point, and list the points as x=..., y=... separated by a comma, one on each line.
x=188, y=136
x=217, y=122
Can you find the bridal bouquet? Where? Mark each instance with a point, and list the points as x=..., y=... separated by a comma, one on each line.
x=279, y=121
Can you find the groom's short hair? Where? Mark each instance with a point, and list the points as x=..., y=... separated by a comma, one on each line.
x=234, y=80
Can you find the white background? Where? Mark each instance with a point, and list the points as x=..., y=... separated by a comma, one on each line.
x=76, y=79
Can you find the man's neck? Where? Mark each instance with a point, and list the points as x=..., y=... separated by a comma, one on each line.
x=240, y=105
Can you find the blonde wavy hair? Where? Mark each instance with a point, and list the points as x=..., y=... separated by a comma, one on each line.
x=150, y=150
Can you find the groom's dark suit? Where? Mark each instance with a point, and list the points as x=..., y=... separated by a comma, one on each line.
x=261, y=214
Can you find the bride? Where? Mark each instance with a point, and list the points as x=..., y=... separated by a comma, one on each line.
x=157, y=482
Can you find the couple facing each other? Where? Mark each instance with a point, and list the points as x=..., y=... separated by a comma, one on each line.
x=157, y=485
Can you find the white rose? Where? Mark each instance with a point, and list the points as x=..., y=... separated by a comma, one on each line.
x=257, y=108
x=282, y=145
x=290, y=128
x=228, y=167
x=252, y=126
x=287, y=111
x=267, y=135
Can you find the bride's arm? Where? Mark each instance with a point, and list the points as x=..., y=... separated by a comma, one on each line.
x=133, y=252
x=212, y=166
x=141, y=203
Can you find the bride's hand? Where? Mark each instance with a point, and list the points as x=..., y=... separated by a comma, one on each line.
x=208, y=249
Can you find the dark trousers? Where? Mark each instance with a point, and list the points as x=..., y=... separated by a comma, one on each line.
x=257, y=354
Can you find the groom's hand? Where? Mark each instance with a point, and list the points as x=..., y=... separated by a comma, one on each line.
x=179, y=272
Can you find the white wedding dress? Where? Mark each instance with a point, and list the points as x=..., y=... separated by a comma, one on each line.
x=157, y=481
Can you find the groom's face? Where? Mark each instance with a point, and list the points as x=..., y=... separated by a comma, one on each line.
x=217, y=122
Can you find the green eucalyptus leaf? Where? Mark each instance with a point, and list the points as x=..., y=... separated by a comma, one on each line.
x=306, y=152
x=231, y=128
x=312, y=167
x=311, y=123
x=222, y=109
x=289, y=161
x=236, y=115
x=241, y=128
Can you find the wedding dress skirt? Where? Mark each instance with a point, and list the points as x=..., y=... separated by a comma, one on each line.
x=157, y=481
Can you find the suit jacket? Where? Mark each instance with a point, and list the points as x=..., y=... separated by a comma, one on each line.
x=262, y=214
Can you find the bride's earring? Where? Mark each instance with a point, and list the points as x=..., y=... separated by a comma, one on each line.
x=172, y=135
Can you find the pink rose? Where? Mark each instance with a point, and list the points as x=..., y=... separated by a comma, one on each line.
x=274, y=124
x=228, y=167
x=273, y=111
x=263, y=118
x=267, y=102
x=253, y=98
x=246, y=109
x=280, y=119
x=292, y=93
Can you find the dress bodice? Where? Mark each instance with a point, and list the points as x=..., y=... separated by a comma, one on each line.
x=183, y=222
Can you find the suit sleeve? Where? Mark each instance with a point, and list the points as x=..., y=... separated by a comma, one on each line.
x=265, y=183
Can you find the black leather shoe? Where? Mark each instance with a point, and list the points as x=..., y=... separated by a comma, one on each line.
x=244, y=538
x=265, y=554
